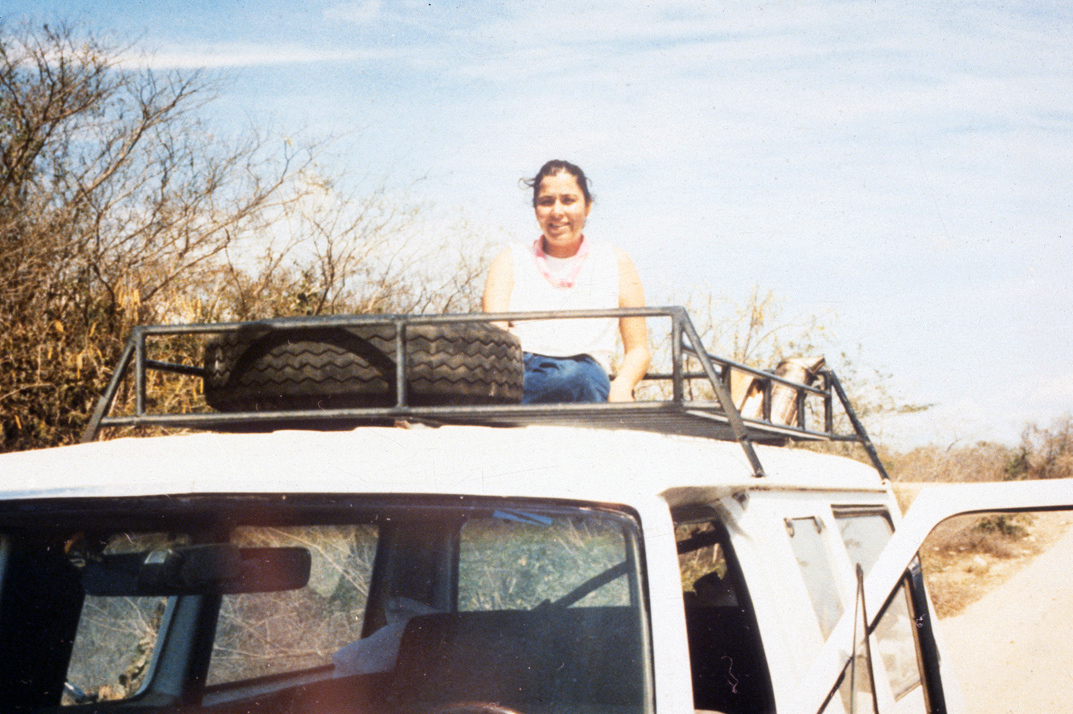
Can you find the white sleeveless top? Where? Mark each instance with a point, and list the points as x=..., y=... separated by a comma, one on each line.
x=596, y=287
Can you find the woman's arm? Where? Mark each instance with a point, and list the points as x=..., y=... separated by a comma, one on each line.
x=498, y=286
x=634, y=333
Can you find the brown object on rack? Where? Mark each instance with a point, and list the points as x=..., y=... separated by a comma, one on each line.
x=747, y=393
x=747, y=390
x=802, y=370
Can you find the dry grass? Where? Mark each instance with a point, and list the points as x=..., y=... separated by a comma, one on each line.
x=965, y=558
x=983, y=461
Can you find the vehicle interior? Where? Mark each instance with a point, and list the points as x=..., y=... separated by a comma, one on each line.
x=321, y=603
x=728, y=667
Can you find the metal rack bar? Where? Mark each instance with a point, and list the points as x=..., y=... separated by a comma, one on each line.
x=722, y=393
x=858, y=427
x=104, y=404
x=718, y=418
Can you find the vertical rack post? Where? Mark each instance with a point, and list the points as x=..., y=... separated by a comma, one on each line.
x=858, y=427
x=400, y=363
x=104, y=404
x=737, y=426
x=828, y=404
x=677, y=391
x=139, y=371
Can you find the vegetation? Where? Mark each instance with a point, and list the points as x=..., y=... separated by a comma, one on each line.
x=119, y=206
x=1044, y=452
x=965, y=557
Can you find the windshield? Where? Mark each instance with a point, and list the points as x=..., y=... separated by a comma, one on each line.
x=412, y=605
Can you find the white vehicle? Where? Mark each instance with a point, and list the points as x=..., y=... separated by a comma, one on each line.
x=663, y=556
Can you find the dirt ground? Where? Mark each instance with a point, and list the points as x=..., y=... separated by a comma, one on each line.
x=961, y=565
x=1010, y=646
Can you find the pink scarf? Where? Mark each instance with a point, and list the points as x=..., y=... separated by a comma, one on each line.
x=570, y=278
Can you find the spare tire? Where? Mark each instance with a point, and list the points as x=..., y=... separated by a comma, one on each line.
x=260, y=367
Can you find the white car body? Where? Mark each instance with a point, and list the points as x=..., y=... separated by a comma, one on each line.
x=660, y=478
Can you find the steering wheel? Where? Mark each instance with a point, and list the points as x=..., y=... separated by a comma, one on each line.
x=474, y=708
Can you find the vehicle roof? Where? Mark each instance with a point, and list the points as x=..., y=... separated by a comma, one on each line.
x=573, y=463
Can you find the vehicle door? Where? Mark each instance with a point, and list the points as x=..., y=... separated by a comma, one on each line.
x=844, y=674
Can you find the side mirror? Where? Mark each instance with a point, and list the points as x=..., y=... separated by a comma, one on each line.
x=196, y=570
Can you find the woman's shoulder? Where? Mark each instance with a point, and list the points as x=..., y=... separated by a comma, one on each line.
x=501, y=259
x=611, y=255
x=622, y=257
x=602, y=248
x=516, y=253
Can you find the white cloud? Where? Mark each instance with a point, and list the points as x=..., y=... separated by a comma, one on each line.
x=238, y=55
x=355, y=13
x=1053, y=394
x=909, y=163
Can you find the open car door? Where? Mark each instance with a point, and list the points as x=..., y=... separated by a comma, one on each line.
x=846, y=646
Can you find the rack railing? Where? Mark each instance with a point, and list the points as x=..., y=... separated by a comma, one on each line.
x=715, y=416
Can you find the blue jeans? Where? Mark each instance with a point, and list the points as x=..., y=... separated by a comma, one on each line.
x=551, y=380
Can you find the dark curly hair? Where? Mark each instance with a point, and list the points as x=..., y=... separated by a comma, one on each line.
x=555, y=167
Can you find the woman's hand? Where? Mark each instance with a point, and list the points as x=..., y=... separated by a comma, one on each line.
x=620, y=391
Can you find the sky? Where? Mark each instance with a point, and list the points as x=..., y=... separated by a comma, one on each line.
x=903, y=168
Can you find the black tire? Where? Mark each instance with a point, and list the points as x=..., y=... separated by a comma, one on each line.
x=259, y=368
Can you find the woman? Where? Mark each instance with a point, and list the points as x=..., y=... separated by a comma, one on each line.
x=569, y=360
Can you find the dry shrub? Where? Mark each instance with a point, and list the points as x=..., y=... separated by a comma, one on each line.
x=983, y=461
x=120, y=206
x=998, y=535
x=995, y=535
x=964, y=558
x=1045, y=453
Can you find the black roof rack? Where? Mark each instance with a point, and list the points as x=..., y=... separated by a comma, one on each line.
x=713, y=417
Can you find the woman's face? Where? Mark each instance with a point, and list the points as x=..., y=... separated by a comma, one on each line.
x=561, y=211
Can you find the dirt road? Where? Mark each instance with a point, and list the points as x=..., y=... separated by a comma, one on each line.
x=1012, y=651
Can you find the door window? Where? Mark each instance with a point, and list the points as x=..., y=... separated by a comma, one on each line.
x=865, y=534
x=806, y=539
x=727, y=662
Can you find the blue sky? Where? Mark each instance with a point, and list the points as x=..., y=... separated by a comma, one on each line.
x=904, y=166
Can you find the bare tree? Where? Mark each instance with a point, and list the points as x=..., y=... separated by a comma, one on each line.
x=754, y=332
x=334, y=251
x=119, y=206
x=114, y=200
x=757, y=332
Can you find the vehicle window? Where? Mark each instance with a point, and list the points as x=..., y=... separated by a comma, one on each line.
x=727, y=664
x=276, y=632
x=351, y=601
x=549, y=618
x=116, y=635
x=257, y=634
x=865, y=535
x=113, y=647
x=703, y=568
x=806, y=538
x=516, y=561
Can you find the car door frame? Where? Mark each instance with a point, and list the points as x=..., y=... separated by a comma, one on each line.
x=933, y=505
